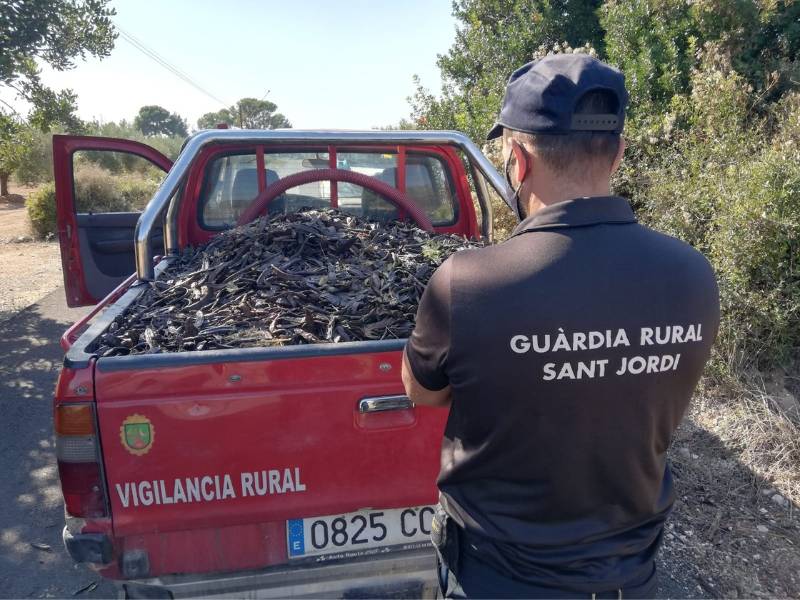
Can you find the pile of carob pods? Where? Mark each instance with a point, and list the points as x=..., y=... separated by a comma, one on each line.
x=310, y=277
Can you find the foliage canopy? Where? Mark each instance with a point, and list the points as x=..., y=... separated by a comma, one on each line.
x=55, y=32
x=156, y=120
x=247, y=113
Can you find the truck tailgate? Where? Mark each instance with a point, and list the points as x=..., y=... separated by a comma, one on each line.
x=218, y=444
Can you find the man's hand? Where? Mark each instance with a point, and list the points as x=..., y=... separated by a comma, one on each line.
x=419, y=394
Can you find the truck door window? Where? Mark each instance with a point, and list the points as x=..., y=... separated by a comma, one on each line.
x=113, y=182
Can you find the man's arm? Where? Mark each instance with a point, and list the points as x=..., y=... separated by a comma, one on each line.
x=418, y=393
x=425, y=356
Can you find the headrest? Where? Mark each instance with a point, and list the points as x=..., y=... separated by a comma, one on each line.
x=245, y=185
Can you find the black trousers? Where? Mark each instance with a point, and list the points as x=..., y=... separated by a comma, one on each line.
x=463, y=575
x=478, y=580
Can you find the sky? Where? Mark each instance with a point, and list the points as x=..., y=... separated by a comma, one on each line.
x=326, y=64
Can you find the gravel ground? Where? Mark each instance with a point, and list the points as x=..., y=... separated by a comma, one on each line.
x=733, y=533
x=13, y=221
x=33, y=561
x=28, y=270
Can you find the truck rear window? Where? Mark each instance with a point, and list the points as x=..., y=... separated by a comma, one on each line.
x=231, y=183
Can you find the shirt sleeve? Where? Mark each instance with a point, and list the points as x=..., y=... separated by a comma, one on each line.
x=429, y=344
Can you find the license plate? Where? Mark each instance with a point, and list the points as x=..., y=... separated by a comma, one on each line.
x=356, y=531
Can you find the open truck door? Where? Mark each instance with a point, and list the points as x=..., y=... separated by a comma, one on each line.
x=102, y=185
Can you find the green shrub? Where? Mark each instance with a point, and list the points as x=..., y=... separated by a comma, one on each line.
x=168, y=145
x=653, y=45
x=36, y=165
x=41, y=207
x=137, y=191
x=730, y=185
x=96, y=190
x=99, y=190
x=755, y=246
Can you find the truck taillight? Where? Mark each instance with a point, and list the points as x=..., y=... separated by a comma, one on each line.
x=78, y=460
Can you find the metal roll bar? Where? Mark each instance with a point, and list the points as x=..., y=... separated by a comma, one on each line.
x=167, y=191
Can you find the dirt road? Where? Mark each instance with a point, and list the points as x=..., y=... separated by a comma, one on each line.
x=13, y=221
x=31, y=507
x=28, y=270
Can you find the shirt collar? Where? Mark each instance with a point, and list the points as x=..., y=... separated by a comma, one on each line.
x=579, y=213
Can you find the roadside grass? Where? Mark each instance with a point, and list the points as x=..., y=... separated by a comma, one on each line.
x=758, y=419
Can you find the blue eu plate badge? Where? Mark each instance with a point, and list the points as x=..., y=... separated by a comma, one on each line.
x=297, y=546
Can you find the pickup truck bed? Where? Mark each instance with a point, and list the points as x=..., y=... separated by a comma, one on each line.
x=285, y=428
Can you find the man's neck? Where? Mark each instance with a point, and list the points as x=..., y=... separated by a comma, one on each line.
x=547, y=195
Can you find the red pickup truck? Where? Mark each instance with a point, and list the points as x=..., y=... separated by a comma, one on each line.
x=293, y=471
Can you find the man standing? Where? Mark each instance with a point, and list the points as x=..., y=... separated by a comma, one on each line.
x=567, y=356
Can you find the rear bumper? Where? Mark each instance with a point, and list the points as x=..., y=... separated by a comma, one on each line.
x=88, y=547
x=395, y=575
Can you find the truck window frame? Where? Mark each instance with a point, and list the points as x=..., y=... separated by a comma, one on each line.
x=199, y=179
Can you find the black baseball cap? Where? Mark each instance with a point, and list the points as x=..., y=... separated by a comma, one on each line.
x=541, y=96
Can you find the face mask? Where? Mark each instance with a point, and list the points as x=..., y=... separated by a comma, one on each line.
x=518, y=208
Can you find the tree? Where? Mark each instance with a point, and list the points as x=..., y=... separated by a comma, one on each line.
x=247, y=113
x=497, y=36
x=14, y=138
x=658, y=45
x=212, y=119
x=250, y=113
x=493, y=38
x=55, y=32
x=156, y=120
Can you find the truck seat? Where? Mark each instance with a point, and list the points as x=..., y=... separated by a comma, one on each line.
x=245, y=189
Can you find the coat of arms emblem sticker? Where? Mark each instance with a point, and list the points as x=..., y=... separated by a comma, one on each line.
x=137, y=434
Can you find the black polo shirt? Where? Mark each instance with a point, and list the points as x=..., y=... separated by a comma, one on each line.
x=572, y=350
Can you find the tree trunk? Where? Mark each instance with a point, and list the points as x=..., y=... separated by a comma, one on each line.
x=3, y=184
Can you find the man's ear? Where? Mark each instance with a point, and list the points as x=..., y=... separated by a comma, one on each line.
x=521, y=160
x=620, y=153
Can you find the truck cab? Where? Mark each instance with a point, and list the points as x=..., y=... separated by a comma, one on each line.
x=291, y=471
